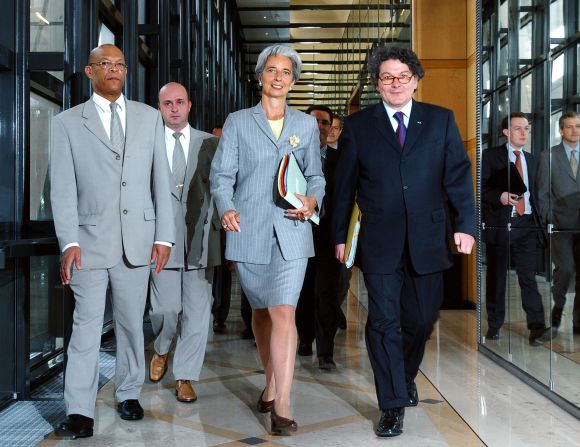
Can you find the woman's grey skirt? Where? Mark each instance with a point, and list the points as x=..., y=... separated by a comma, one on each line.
x=273, y=284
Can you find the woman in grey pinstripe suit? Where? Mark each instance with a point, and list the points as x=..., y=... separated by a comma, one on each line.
x=269, y=246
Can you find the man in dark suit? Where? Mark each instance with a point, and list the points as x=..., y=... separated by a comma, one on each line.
x=559, y=190
x=503, y=206
x=402, y=160
x=318, y=312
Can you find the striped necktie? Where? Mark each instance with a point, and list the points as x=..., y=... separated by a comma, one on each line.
x=178, y=163
x=117, y=136
x=574, y=162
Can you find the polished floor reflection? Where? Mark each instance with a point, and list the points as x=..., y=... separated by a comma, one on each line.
x=466, y=400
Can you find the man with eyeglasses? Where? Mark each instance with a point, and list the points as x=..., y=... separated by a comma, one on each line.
x=559, y=191
x=318, y=310
x=404, y=162
x=113, y=217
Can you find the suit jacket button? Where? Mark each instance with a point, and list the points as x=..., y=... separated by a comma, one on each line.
x=405, y=187
x=201, y=200
x=125, y=211
x=124, y=183
x=118, y=157
x=205, y=222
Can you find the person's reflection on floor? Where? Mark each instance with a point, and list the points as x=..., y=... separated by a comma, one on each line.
x=500, y=207
x=559, y=193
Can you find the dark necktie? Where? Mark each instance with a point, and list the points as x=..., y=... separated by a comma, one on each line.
x=116, y=136
x=574, y=163
x=401, y=129
x=178, y=163
x=521, y=204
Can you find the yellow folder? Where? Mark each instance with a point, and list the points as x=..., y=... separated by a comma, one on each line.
x=352, y=236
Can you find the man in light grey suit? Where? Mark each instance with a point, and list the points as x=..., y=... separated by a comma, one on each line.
x=182, y=291
x=112, y=206
x=559, y=193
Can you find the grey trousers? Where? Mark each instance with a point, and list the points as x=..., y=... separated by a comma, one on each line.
x=180, y=313
x=129, y=293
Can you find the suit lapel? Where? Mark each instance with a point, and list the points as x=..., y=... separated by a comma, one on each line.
x=415, y=127
x=94, y=124
x=133, y=123
x=562, y=162
x=289, y=128
x=262, y=122
x=383, y=125
x=193, y=155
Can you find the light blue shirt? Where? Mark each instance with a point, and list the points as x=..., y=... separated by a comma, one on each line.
x=512, y=157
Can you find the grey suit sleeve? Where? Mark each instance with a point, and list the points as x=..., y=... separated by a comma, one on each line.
x=224, y=168
x=164, y=224
x=313, y=167
x=63, y=190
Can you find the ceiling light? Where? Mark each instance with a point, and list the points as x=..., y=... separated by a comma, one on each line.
x=266, y=34
x=309, y=73
x=309, y=63
x=309, y=27
x=265, y=17
x=41, y=18
x=309, y=43
x=308, y=52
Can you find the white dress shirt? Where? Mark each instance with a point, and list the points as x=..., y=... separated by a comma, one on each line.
x=512, y=156
x=170, y=143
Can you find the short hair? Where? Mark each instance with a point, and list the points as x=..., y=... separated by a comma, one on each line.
x=279, y=50
x=323, y=109
x=505, y=123
x=567, y=116
x=384, y=53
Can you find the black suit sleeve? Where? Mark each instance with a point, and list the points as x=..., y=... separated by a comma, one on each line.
x=345, y=184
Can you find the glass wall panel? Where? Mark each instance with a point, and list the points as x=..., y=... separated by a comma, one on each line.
x=47, y=25
x=41, y=112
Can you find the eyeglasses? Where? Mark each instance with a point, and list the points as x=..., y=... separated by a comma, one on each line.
x=271, y=71
x=107, y=65
x=403, y=79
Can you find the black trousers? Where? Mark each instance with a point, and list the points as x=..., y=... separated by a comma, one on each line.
x=566, y=259
x=403, y=307
x=521, y=248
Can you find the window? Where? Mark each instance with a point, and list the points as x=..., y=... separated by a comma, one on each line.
x=46, y=25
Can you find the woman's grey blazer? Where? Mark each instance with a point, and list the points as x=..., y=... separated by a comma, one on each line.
x=242, y=179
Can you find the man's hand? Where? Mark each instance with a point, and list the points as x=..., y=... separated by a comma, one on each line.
x=306, y=211
x=160, y=253
x=463, y=242
x=231, y=221
x=70, y=255
x=507, y=198
x=339, y=252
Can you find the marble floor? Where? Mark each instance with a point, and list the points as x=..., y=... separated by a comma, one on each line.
x=466, y=399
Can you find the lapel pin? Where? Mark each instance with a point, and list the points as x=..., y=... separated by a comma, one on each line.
x=419, y=122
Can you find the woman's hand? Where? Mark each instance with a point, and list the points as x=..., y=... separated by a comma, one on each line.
x=306, y=210
x=231, y=221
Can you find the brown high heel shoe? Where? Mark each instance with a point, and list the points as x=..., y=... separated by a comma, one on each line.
x=263, y=405
x=281, y=426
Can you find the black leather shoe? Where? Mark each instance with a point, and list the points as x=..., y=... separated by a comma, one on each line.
x=549, y=334
x=492, y=334
x=219, y=327
x=536, y=336
x=326, y=363
x=247, y=334
x=305, y=349
x=281, y=426
x=130, y=410
x=75, y=426
x=265, y=406
x=413, y=394
x=576, y=330
x=391, y=423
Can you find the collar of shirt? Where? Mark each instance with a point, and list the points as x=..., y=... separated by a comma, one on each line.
x=104, y=111
x=170, y=143
x=569, y=150
x=406, y=109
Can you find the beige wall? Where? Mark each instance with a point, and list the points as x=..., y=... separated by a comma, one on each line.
x=444, y=40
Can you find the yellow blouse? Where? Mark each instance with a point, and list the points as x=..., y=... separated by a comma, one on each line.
x=277, y=126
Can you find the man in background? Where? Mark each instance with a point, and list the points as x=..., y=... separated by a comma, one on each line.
x=181, y=293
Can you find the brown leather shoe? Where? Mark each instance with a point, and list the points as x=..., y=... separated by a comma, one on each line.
x=281, y=426
x=184, y=391
x=265, y=406
x=158, y=367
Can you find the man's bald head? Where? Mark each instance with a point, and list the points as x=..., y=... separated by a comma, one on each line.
x=174, y=105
